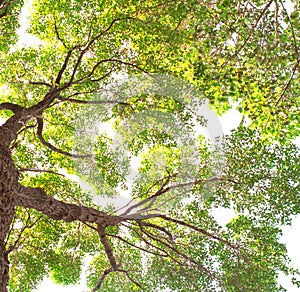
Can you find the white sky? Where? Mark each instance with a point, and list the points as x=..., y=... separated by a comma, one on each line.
x=228, y=121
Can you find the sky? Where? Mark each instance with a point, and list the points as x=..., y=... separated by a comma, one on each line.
x=228, y=121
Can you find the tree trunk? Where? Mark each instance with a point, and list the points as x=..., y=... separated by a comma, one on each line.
x=6, y=216
x=8, y=181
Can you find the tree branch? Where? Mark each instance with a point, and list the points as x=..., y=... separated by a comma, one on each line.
x=164, y=230
x=92, y=101
x=149, y=244
x=36, y=198
x=50, y=146
x=138, y=247
x=39, y=83
x=15, y=108
x=204, y=232
x=183, y=255
x=288, y=83
x=5, y=6
x=39, y=170
x=150, y=199
x=107, y=247
x=106, y=61
x=24, y=227
x=131, y=279
x=239, y=49
x=104, y=274
x=88, y=46
x=64, y=66
x=57, y=33
x=292, y=28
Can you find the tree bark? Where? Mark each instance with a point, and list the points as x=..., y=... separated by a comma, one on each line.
x=6, y=216
x=36, y=198
x=8, y=182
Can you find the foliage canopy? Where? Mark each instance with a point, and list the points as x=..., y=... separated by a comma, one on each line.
x=233, y=52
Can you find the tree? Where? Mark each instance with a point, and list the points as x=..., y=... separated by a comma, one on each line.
x=232, y=51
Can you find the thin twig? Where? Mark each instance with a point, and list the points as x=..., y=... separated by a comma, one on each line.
x=39, y=170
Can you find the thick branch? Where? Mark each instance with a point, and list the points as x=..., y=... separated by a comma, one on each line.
x=11, y=106
x=63, y=68
x=107, y=248
x=39, y=83
x=45, y=103
x=36, y=198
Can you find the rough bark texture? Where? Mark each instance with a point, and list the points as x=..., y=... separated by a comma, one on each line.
x=37, y=199
x=6, y=216
x=8, y=182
